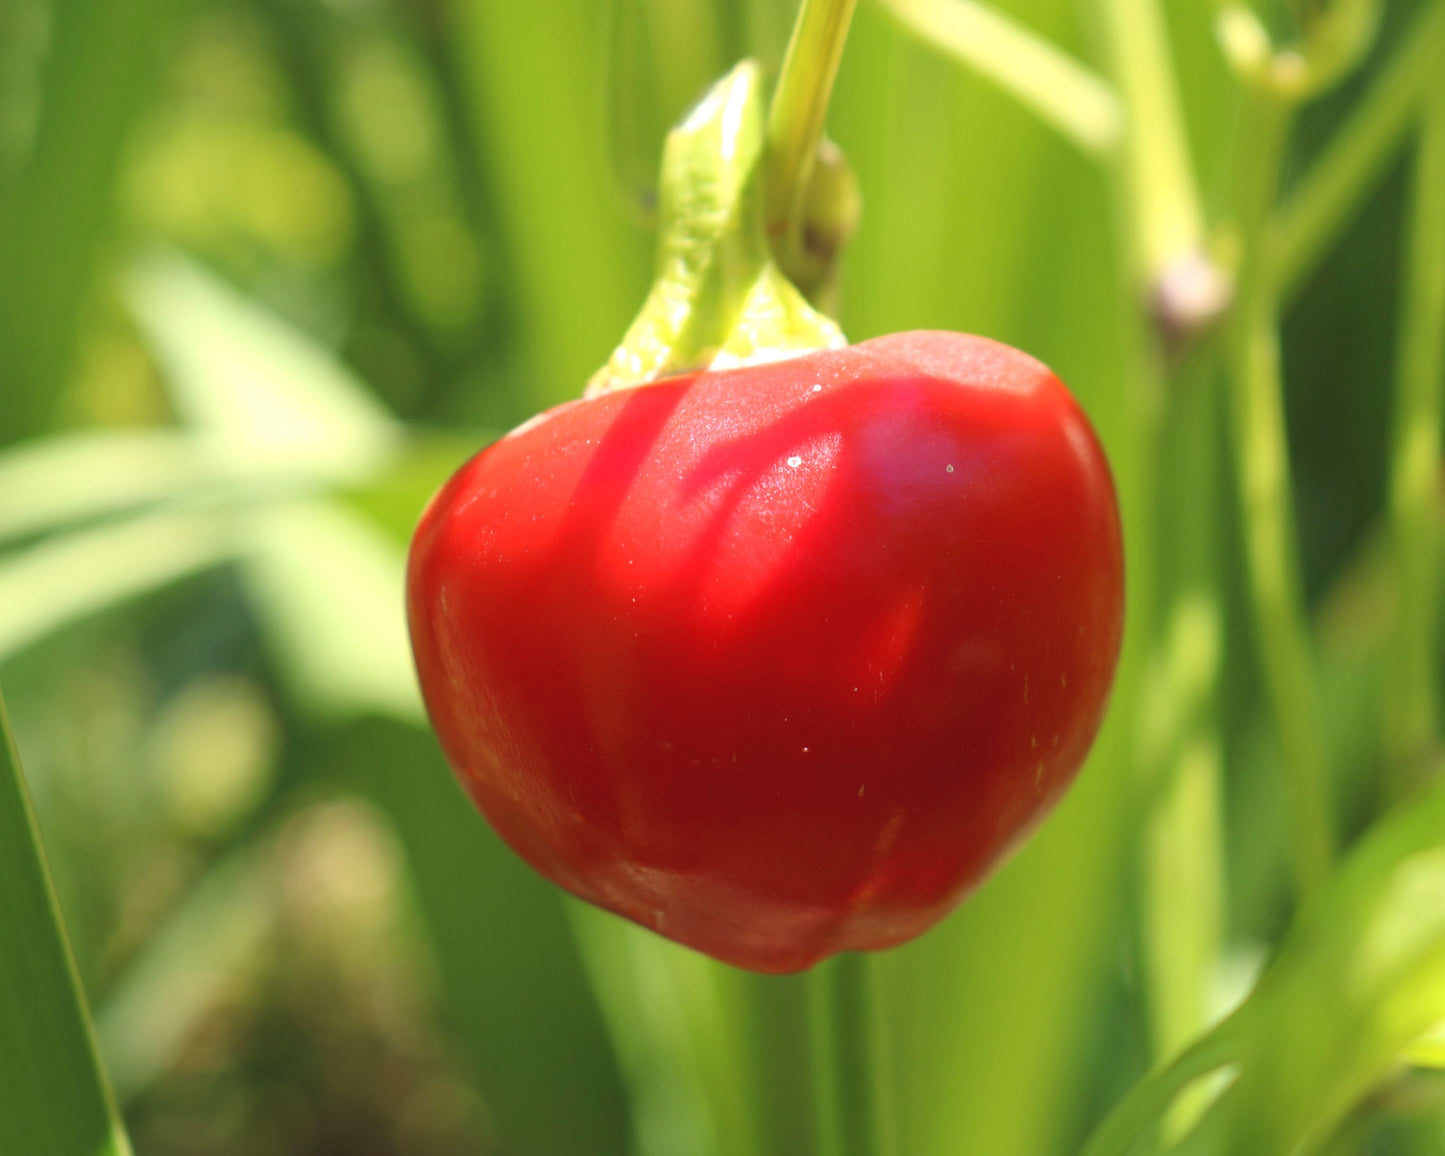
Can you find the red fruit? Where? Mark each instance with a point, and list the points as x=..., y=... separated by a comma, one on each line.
x=778, y=661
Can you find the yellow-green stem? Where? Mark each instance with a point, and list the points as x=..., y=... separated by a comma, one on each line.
x=795, y=119
x=1158, y=173
x=1415, y=464
x=1266, y=499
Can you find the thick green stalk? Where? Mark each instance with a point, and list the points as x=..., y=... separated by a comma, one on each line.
x=54, y=1098
x=1267, y=505
x=1323, y=201
x=1161, y=226
x=1157, y=171
x=1182, y=894
x=847, y=1058
x=1411, y=725
x=795, y=119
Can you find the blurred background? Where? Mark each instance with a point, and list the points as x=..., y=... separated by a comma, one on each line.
x=269, y=271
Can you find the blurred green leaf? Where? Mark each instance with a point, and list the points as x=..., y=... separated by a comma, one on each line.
x=70, y=479
x=53, y=1095
x=1358, y=981
x=680, y=1025
x=79, y=477
x=1360, y=978
x=265, y=391
x=517, y=998
x=581, y=266
x=396, y=497
x=154, y=1009
x=104, y=59
x=58, y=581
x=329, y=587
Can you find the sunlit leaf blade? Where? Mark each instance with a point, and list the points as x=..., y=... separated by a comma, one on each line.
x=1429, y=1050
x=1360, y=978
x=1357, y=982
x=59, y=581
x=53, y=1095
x=329, y=586
x=270, y=393
x=103, y=62
x=78, y=478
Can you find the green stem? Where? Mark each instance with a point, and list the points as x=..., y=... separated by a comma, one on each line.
x=718, y=299
x=795, y=119
x=1066, y=95
x=1326, y=197
x=1182, y=893
x=1267, y=504
x=1158, y=173
x=54, y=1098
x=1415, y=465
x=846, y=1058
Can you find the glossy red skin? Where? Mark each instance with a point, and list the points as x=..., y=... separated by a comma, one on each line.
x=779, y=661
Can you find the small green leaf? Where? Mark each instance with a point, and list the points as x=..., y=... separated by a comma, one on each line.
x=718, y=301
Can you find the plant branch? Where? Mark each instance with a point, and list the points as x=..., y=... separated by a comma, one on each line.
x=1070, y=98
x=1157, y=171
x=795, y=118
x=1322, y=203
x=1265, y=494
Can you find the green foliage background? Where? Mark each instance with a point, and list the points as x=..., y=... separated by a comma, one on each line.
x=270, y=269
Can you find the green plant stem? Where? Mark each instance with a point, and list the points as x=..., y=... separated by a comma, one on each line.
x=1182, y=893
x=1066, y=95
x=1157, y=171
x=795, y=118
x=54, y=1098
x=847, y=1073
x=1267, y=504
x=1344, y=173
x=1415, y=462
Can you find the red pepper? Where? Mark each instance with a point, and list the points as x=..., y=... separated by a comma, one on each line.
x=778, y=661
